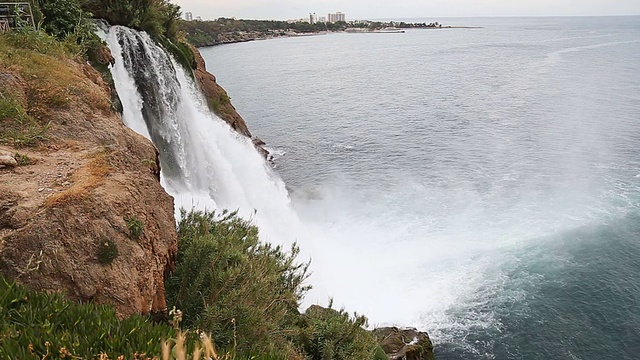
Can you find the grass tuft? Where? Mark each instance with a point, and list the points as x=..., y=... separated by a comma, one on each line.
x=22, y=160
x=135, y=227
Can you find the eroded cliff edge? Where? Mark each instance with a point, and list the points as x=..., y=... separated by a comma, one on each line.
x=217, y=98
x=220, y=103
x=77, y=188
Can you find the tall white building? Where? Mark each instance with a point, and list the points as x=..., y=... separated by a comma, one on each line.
x=188, y=16
x=313, y=18
x=339, y=16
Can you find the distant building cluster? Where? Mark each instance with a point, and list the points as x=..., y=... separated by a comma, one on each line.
x=330, y=18
x=339, y=16
x=188, y=16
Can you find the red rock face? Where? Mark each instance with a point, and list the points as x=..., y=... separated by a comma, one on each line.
x=217, y=97
x=74, y=193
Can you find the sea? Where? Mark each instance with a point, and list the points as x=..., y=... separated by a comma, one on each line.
x=481, y=184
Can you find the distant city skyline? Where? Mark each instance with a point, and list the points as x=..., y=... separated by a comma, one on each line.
x=371, y=9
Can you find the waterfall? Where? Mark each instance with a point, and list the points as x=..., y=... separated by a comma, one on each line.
x=204, y=163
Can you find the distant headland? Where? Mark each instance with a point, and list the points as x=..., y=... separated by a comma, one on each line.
x=230, y=30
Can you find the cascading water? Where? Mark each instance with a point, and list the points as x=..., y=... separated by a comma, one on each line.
x=498, y=209
x=205, y=164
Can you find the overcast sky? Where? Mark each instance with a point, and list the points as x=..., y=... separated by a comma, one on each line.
x=367, y=9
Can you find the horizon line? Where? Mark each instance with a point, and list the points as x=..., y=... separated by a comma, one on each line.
x=444, y=17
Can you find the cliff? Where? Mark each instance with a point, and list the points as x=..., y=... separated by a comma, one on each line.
x=82, y=210
x=220, y=103
x=217, y=98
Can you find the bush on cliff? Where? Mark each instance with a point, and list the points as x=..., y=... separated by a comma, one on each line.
x=226, y=282
x=247, y=293
x=326, y=333
x=62, y=18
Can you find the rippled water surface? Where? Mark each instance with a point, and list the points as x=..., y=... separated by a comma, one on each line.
x=482, y=184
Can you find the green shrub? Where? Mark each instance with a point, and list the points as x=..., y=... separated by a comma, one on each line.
x=62, y=17
x=325, y=333
x=107, y=251
x=226, y=282
x=181, y=52
x=135, y=227
x=22, y=160
x=34, y=324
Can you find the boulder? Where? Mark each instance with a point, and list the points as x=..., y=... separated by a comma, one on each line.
x=404, y=344
x=7, y=160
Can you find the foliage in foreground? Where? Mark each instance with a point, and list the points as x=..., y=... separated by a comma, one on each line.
x=34, y=324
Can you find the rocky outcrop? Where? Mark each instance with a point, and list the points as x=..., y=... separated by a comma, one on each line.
x=220, y=103
x=404, y=344
x=84, y=212
x=217, y=98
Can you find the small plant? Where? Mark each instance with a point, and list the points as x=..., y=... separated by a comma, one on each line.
x=178, y=348
x=151, y=164
x=135, y=227
x=107, y=251
x=23, y=160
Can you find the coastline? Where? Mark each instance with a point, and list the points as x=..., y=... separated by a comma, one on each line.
x=346, y=31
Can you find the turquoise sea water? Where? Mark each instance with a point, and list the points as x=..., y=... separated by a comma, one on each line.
x=480, y=184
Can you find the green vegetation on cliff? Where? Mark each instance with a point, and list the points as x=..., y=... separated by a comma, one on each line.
x=159, y=18
x=247, y=294
x=35, y=59
x=228, y=284
x=71, y=21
